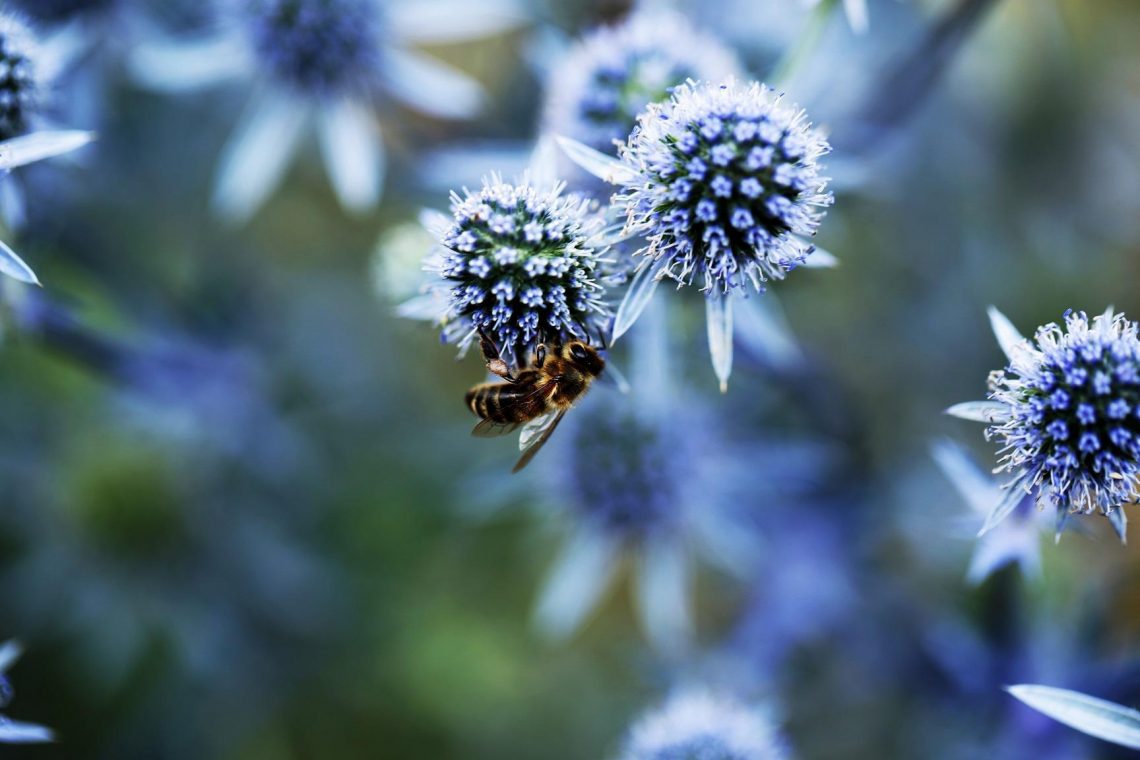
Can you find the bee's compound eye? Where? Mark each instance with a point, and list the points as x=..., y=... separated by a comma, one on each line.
x=578, y=351
x=540, y=355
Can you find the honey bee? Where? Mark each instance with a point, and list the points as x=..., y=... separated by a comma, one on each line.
x=536, y=398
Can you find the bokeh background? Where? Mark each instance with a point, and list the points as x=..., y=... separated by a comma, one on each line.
x=241, y=515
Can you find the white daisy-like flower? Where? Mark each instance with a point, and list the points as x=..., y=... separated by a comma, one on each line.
x=322, y=64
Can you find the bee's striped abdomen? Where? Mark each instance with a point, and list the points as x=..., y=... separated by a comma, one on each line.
x=506, y=402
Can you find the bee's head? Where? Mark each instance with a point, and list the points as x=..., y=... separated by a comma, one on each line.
x=583, y=356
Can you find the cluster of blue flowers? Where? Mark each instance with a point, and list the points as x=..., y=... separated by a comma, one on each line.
x=523, y=264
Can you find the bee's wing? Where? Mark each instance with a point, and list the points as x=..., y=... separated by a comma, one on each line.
x=492, y=429
x=535, y=434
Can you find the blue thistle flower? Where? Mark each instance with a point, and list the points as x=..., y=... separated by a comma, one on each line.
x=1066, y=411
x=698, y=724
x=609, y=77
x=723, y=185
x=322, y=47
x=524, y=264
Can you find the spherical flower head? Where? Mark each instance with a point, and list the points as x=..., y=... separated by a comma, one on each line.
x=1073, y=428
x=523, y=264
x=610, y=76
x=20, y=90
x=697, y=725
x=322, y=47
x=729, y=185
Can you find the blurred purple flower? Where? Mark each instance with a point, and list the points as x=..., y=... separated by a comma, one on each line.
x=321, y=61
x=695, y=723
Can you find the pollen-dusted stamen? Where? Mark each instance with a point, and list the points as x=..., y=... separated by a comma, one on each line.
x=612, y=74
x=523, y=264
x=729, y=185
x=1074, y=412
x=19, y=88
x=319, y=46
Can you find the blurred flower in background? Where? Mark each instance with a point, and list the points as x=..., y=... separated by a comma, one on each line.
x=604, y=82
x=14, y=731
x=322, y=61
x=653, y=480
x=694, y=723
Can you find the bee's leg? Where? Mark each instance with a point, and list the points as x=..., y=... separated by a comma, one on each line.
x=494, y=359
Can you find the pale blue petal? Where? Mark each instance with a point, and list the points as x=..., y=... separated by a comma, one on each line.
x=995, y=550
x=1119, y=522
x=1013, y=495
x=606, y=168
x=581, y=574
x=1095, y=717
x=13, y=266
x=820, y=259
x=37, y=146
x=254, y=161
x=637, y=297
x=975, y=486
x=856, y=15
x=762, y=327
x=431, y=86
x=663, y=595
x=180, y=66
x=543, y=164
x=15, y=732
x=718, y=315
x=435, y=222
x=980, y=411
x=1007, y=335
x=60, y=49
x=435, y=21
x=10, y=651
x=427, y=308
x=354, y=154
x=12, y=202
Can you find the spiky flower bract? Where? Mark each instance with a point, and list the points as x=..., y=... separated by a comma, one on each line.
x=608, y=78
x=12, y=731
x=704, y=726
x=322, y=47
x=1073, y=395
x=20, y=88
x=728, y=186
x=523, y=264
